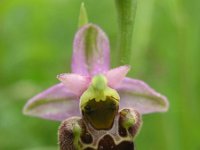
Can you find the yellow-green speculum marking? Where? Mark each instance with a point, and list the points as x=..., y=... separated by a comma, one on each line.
x=99, y=103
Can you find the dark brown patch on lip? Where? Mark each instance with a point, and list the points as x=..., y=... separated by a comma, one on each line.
x=89, y=148
x=125, y=146
x=122, y=131
x=85, y=136
x=107, y=143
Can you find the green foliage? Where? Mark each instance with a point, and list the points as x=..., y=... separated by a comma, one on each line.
x=36, y=45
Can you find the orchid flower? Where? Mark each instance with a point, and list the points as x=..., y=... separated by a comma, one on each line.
x=91, y=57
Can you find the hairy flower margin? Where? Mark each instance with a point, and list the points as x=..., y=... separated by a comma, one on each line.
x=91, y=56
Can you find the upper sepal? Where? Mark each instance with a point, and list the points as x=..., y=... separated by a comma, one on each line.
x=91, y=52
x=138, y=95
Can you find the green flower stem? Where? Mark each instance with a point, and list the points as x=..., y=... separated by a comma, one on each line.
x=126, y=10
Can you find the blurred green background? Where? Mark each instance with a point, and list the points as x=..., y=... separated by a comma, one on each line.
x=36, y=44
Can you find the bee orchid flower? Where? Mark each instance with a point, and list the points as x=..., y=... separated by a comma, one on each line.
x=91, y=58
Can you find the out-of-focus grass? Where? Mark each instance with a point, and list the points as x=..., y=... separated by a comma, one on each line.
x=36, y=44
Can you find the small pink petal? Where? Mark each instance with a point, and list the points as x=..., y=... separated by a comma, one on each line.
x=55, y=103
x=75, y=83
x=116, y=75
x=138, y=95
x=91, y=51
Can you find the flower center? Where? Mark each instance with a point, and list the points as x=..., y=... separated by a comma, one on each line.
x=99, y=103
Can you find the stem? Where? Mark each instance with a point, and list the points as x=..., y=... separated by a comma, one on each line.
x=126, y=10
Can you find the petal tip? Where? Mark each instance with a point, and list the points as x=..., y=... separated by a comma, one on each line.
x=116, y=75
x=166, y=103
x=61, y=76
x=127, y=67
x=26, y=111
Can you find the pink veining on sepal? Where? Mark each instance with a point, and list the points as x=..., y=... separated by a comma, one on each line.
x=91, y=51
x=55, y=103
x=75, y=83
x=116, y=75
x=138, y=95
